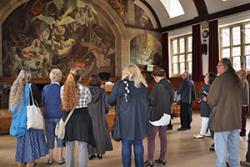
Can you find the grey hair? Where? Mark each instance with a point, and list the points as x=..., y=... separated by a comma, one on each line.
x=55, y=75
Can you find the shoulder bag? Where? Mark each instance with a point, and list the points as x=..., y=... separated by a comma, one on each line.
x=60, y=126
x=34, y=115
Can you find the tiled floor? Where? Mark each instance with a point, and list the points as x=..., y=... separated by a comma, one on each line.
x=183, y=150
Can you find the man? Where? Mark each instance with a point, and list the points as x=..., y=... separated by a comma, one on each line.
x=225, y=98
x=187, y=93
x=245, y=101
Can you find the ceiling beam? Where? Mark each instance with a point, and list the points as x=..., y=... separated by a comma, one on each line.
x=153, y=12
x=201, y=8
x=212, y=16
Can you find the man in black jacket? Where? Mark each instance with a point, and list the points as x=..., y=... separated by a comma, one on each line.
x=187, y=93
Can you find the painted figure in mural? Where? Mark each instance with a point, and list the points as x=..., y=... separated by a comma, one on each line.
x=50, y=36
x=145, y=49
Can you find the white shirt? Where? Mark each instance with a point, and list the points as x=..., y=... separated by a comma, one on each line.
x=165, y=119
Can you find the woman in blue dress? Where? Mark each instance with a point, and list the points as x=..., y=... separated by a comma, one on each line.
x=30, y=144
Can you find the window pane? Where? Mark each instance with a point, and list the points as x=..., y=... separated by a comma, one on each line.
x=175, y=68
x=175, y=59
x=236, y=63
x=247, y=33
x=226, y=53
x=189, y=44
x=182, y=68
x=190, y=67
x=182, y=58
x=236, y=51
x=236, y=35
x=174, y=45
x=247, y=50
x=189, y=57
x=248, y=62
x=182, y=45
x=225, y=35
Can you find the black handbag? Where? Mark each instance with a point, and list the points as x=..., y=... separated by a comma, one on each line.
x=115, y=131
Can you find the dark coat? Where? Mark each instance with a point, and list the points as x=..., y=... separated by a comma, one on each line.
x=97, y=110
x=187, y=91
x=132, y=114
x=161, y=99
x=225, y=97
x=205, y=108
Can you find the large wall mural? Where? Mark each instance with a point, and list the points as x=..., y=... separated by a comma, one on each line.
x=146, y=49
x=123, y=7
x=46, y=34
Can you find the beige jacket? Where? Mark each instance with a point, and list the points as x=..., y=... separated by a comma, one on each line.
x=225, y=98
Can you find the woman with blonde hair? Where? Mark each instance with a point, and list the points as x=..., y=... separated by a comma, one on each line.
x=76, y=97
x=30, y=144
x=130, y=97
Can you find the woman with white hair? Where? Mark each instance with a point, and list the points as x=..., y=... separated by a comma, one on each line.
x=130, y=97
x=52, y=113
x=30, y=144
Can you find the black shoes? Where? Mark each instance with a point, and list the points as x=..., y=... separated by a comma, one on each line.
x=149, y=163
x=211, y=148
x=99, y=156
x=91, y=157
x=242, y=133
x=182, y=129
x=159, y=161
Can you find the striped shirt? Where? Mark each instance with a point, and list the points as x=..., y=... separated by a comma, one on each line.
x=84, y=96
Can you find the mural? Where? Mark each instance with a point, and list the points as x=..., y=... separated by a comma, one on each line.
x=122, y=7
x=146, y=49
x=141, y=18
x=46, y=34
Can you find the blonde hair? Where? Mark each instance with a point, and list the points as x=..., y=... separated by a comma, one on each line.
x=133, y=73
x=70, y=91
x=17, y=88
x=55, y=75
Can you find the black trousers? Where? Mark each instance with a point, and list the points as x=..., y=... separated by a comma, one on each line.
x=186, y=115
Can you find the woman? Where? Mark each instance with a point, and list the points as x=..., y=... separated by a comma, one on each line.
x=204, y=108
x=30, y=144
x=98, y=108
x=160, y=101
x=52, y=114
x=130, y=97
x=76, y=97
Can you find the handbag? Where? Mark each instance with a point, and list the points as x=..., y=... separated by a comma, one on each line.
x=60, y=126
x=115, y=131
x=34, y=115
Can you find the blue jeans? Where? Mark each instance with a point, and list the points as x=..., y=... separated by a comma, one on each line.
x=138, y=152
x=227, y=144
x=50, y=125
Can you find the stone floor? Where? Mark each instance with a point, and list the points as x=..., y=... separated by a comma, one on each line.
x=183, y=150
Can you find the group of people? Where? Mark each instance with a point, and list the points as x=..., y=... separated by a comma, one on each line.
x=87, y=124
x=224, y=107
x=139, y=114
